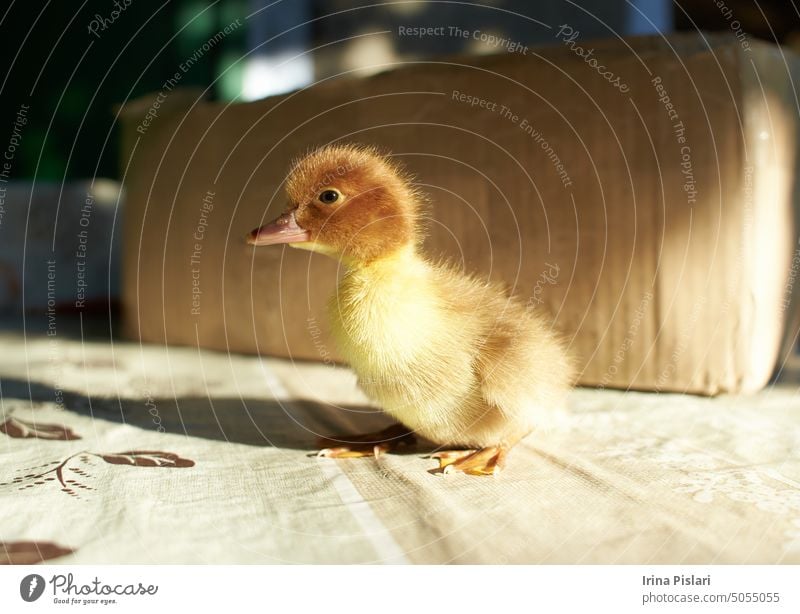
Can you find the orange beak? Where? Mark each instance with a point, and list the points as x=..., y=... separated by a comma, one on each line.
x=283, y=229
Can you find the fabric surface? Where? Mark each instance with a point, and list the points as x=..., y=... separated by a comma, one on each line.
x=87, y=475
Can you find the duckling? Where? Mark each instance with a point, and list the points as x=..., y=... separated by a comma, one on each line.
x=451, y=357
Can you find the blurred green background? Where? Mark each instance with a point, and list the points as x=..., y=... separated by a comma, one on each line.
x=71, y=79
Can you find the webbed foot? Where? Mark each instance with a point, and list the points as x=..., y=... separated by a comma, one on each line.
x=485, y=461
x=369, y=444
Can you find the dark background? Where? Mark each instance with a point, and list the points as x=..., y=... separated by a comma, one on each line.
x=71, y=79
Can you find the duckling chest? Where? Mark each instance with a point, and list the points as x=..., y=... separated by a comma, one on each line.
x=385, y=327
x=409, y=353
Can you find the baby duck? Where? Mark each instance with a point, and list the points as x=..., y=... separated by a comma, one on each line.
x=452, y=358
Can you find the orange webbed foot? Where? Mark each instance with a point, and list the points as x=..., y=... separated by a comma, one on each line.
x=369, y=444
x=485, y=461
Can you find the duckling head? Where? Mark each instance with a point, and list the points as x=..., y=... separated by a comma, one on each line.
x=348, y=202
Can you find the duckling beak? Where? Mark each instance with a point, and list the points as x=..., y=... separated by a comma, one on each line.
x=283, y=229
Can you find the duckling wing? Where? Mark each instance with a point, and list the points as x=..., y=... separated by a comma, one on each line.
x=520, y=363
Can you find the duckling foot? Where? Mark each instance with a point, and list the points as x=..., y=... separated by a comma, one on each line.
x=370, y=444
x=486, y=461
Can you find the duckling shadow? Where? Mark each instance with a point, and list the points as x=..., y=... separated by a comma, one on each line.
x=295, y=424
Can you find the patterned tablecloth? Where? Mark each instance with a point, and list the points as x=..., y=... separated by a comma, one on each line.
x=118, y=453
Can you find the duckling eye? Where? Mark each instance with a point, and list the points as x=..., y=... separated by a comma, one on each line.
x=328, y=197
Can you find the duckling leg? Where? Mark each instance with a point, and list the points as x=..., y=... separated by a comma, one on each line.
x=370, y=444
x=486, y=461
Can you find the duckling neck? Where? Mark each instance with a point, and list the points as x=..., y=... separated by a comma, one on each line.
x=402, y=263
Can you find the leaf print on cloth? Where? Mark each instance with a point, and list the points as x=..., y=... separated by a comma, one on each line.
x=22, y=429
x=74, y=471
x=144, y=458
x=30, y=553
